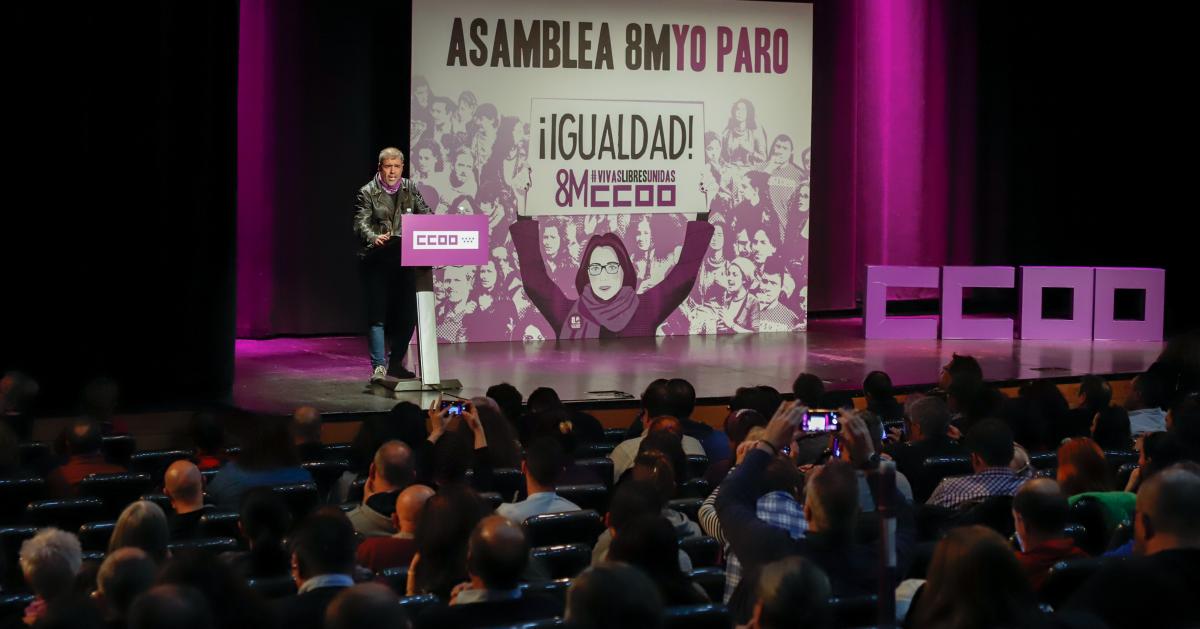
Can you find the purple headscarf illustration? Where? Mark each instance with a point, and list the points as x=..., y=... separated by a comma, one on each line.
x=608, y=305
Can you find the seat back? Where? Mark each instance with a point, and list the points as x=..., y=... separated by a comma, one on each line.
x=704, y=551
x=695, y=488
x=601, y=467
x=555, y=588
x=564, y=561
x=395, y=578
x=1090, y=514
x=116, y=490
x=273, y=587
x=156, y=462
x=1065, y=577
x=159, y=499
x=586, y=496
x=95, y=535
x=854, y=611
x=66, y=513
x=220, y=524
x=11, y=538
x=575, y=527
x=118, y=448
x=1043, y=460
x=708, y=616
x=711, y=580
x=209, y=545
x=414, y=605
x=326, y=473
x=697, y=465
x=16, y=493
x=506, y=481
x=687, y=506
x=301, y=498
x=34, y=455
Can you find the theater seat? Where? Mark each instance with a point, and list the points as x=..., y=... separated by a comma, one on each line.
x=161, y=500
x=210, y=545
x=15, y=493
x=506, y=481
x=1043, y=460
x=34, y=455
x=492, y=498
x=933, y=470
x=1121, y=535
x=13, y=604
x=326, y=473
x=95, y=535
x=545, y=623
x=156, y=462
x=614, y=436
x=704, y=552
x=273, y=587
x=395, y=578
x=687, y=506
x=1065, y=577
x=593, y=450
x=601, y=467
x=994, y=512
x=564, y=561
x=10, y=547
x=576, y=527
x=116, y=490
x=337, y=451
x=355, y=493
x=709, y=616
x=1124, y=472
x=66, y=513
x=301, y=498
x=711, y=580
x=118, y=448
x=854, y=611
x=695, y=488
x=586, y=496
x=414, y=605
x=219, y=524
x=555, y=588
x=697, y=465
x=1090, y=514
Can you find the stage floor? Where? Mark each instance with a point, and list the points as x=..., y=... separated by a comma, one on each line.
x=276, y=375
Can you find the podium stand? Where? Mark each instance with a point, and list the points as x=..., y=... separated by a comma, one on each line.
x=430, y=241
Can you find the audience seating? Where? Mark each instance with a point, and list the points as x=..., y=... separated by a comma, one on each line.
x=1065, y=577
x=220, y=524
x=994, y=512
x=13, y=604
x=697, y=465
x=301, y=498
x=1117, y=458
x=492, y=498
x=118, y=448
x=326, y=473
x=117, y=491
x=1090, y=514
x=555, y=588
x=593, y=450
x=506, y=481
x=711, y=580
x=395, y=578
x=95, y=535
x=601, y=467
x=1043, y=460
x=337, y=451
x=855, y=611
x=1121, y=535
x=1123, y=474
x=10, y=547
x=687, y=506
x=705, y=552
x=15, y=493
x=593, y=497
x=273, y=587
x=65, y=513
x=34, y=455
x=355, y=493
x=564, y=561
x=213, y=545
x=709, y=616
x=545, y=623
x=576, y=527
x=695, y=488
x=161, y=500
x=614, y=436
x=156, y=462
x=414, y=605
x=209, y=475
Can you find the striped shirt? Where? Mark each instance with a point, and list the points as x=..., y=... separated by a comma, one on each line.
x=992, y=481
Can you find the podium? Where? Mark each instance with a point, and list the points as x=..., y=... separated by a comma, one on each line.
x=431, y=241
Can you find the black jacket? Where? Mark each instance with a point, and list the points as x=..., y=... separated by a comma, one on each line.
x=307, y=610
x=376, y=212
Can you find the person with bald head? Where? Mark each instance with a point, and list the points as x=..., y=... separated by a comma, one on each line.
x=393, y=469
x=1040, y=513
x=497, y=554
x=380, y=553
x=184, y=485
x=371, y=605
x=306, y=433
x=1156, y=586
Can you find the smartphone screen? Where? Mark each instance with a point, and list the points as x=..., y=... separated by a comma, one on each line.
x=836, y=450
x=817, y=420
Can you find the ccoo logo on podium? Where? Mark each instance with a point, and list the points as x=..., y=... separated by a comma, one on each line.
x=441, y=240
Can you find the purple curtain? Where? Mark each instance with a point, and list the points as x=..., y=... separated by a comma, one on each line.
x=894, y=133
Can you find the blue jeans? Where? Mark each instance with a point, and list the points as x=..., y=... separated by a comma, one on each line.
x=377, y=345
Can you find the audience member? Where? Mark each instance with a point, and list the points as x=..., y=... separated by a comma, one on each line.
x=393, y=469
x=83, y=440
x=267, y=458
x=792, y=593
x=17, y=392
x=623, y=455
x=496, y=557
x=170, y=607
x=208, y=440
x=397, y=550
x=650, y=543
x=49, y=560
x=232, y=603
x=881, y=397
x=990, y=443
x=184, y=486
x=613, y=596
x=442, y=533
x=264, y=521
x=142, y=525
x=633, y=499
x=1040, y=513
x=1110, y=429
x=1146, y=400
x=809, y=390
x=738, y=424
x=1165, y=572
x=1083, y=472
x=544, y=462
x=1095, y=395
x=306, y=433
x=927, y=423
x=322, y=564
x=508, y=398
x=372, y=605
x=125, y=573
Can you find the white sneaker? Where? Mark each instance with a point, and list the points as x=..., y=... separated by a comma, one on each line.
x=379, y=373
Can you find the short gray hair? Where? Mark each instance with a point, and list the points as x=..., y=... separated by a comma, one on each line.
x=390, y=152
x=50, y=560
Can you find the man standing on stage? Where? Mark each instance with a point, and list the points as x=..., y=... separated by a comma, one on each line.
x=390, y=288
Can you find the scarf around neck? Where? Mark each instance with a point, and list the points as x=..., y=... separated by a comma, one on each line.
x=386, y=188
x=590, y=313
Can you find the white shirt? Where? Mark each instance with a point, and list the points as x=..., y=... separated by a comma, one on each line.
x=1147, y=420
x=536, y=504
x=623, y=455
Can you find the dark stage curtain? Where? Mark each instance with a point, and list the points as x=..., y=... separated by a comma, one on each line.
x=119, y=198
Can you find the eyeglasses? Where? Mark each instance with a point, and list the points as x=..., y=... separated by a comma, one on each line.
x=611, y=268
